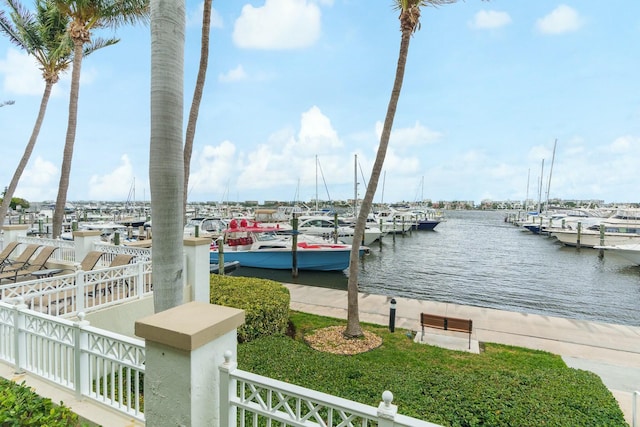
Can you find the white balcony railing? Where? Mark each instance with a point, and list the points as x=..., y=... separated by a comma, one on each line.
x=96, y=364
x=254, y=400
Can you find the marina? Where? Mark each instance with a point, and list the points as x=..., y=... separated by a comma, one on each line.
x=475, y=258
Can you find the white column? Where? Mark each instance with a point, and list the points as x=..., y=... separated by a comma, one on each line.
x=12, y=232
x=84, y=241
x=196, y=251
x=184, y=347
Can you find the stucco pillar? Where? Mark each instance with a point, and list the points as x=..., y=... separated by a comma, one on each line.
x=184, y=346
x=84, y=241
x=12, y=232
x=196, y=250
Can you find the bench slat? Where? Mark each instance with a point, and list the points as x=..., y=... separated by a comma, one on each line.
x=446, y=323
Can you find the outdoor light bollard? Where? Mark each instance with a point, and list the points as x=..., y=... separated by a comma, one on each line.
x=392, y=315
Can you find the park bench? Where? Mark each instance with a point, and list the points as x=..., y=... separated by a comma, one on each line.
x=446, y=323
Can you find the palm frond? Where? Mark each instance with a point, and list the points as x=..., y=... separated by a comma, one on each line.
x=98, y=43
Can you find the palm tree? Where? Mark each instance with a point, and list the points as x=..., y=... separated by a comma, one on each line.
x=43, y=36
x=197, y=97
x=166, y=172
x=409, y=24
x=85, y=16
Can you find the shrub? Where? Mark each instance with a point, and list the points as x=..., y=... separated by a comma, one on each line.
x=19, y=406
x=265, y=302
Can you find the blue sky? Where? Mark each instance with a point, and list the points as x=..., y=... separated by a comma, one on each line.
x=489, y=87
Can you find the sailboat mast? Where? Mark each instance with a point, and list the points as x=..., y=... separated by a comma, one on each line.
x=355, y=185
x=553, y=156
x=540, y=187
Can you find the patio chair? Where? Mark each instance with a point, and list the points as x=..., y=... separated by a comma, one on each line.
x=6, y=252
x=88, y=263
x=37, y=263
x=117, y=261
x=21, y=260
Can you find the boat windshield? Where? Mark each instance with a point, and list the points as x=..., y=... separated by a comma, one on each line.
x=266, y=236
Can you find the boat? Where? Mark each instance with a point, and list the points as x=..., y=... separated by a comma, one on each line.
x=253, y=245
x=630, y=252
x=207, y=227
x=325, y=227
x=620, y=229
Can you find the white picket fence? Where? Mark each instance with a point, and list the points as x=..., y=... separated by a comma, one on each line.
x=96, y=364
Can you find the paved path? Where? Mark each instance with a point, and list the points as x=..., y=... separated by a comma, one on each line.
x=610, y=351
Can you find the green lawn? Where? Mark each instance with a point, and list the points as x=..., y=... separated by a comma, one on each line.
x=502, y=386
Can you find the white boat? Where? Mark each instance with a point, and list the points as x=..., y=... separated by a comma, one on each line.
x=620, y=229
x=393, y=221
x=630, y=252
x=207, y=227
x=325, y=227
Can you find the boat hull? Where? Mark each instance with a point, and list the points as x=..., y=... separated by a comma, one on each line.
x=282, y=259
x=426, y=224
x=590, y=239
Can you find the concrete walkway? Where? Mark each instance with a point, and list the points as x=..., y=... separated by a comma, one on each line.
x=610, y=351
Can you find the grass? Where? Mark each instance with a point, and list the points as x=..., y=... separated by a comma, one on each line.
x=502, y=386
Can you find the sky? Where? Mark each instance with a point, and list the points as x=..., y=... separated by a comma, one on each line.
x=297, y=91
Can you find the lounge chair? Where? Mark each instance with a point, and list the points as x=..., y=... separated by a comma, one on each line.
x=117, y=261
x=6, y=253
x=21, y=260
x=88, y=263
x=37, y=263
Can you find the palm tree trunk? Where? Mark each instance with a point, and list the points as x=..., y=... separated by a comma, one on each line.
x=353, y=317
x=197, y=98
x=166, y=171
x=67, y=156
x=27, y=153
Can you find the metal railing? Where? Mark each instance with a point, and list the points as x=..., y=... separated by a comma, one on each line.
x=254, y=400
x=102, y=366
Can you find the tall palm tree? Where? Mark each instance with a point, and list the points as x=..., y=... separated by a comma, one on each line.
x=166, y=172
x=44, y=36
x=87, y=15
x=197, y=97
x=409, y=24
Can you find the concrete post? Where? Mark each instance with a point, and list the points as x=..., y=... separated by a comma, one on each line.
x=84, y=241
x=185, y=346
x=12, y=232
x=196, y=250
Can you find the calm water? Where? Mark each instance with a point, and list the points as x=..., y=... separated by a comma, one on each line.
x=475, y=258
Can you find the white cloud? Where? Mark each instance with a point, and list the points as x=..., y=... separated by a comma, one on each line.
x=214, y=167
x=194, y=19
x=624, y=144
x=234, y=75
x=562, y=19
x=409, y=137
x=114, y=185
x=316, y=133
x=38, y=182
x=279, y=24
x=21, y=74
x=489, y=19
